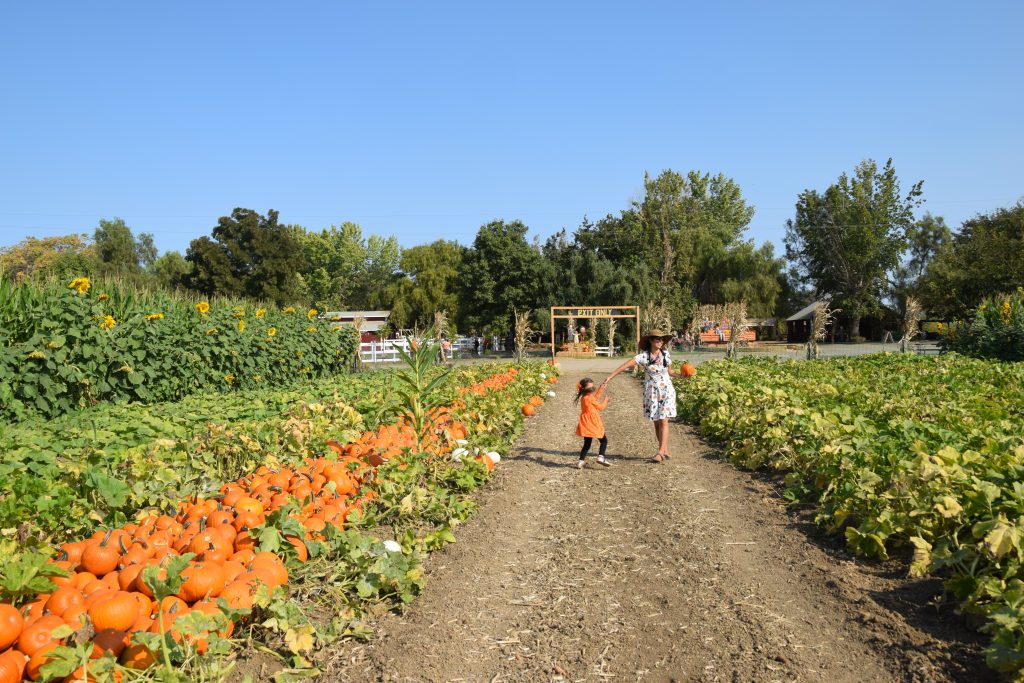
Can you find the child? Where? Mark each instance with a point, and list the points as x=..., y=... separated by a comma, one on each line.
x=590, y=426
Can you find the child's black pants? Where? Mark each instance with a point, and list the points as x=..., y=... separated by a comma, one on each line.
x=587, y=440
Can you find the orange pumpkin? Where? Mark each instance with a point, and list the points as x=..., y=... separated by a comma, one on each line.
x=38, y=634
x=536, y=401
x=117, y=612
x=687, y=370
x=12, y=666
x=137, y=657
x=528, y=410
x=202, y=579
x=11, y=624
x=101, y=557
x=38, y=659
x=64, y=598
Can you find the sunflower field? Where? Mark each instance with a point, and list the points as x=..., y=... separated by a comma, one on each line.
x=70, y=345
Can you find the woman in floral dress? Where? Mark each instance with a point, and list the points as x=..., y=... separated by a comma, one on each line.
x=659, y=394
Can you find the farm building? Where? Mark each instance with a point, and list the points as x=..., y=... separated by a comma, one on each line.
x=372, y=326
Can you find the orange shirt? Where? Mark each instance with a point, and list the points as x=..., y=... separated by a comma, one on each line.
x=590, y=419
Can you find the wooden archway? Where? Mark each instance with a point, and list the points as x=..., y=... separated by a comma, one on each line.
x=565, y=312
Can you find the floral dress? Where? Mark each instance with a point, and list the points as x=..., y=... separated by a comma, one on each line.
x=659, y=394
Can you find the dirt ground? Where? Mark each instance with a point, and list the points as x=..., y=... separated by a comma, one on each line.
x=689, y=570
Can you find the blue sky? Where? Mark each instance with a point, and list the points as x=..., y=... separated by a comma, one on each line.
x=425, y=120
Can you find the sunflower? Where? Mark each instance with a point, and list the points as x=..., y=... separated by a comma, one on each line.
x=202, y=308
x=241, y=326
x=272, y=331
x=311, y=313
x=289, y=310
x=108, y=322
x=155, y=316
x=260, y=312
x=80, y=285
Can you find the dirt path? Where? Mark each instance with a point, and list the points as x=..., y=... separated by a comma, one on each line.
x=687, y=571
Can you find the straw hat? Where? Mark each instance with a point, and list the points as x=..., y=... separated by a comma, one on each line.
x=645, y=341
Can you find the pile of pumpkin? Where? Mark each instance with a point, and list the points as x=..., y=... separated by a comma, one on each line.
x=530, y=407
x=106, y=596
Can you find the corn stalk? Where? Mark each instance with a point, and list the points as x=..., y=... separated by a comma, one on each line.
x=656, y=316
x=823, y=317
x=357, y=359
x=911, y=314
x=612, y=324
x=735, y=315
x=523, y=332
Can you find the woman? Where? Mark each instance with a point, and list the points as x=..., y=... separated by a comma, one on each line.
x=659, y=394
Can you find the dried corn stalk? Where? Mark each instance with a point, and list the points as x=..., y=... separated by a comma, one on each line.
x=523, y=332
x=911, y=314
x=656, y=316
x=735, y=316
x=612, y=324
x=823, y=317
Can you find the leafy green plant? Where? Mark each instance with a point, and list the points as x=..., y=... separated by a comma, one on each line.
x=891, y=451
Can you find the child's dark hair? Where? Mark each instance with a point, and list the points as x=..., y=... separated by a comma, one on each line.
x=583, y=387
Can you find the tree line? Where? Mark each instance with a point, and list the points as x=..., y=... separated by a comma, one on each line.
x=681, y=244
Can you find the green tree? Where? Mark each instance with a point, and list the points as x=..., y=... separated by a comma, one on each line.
x=985, y=258
x=847, y=240
x=334, y=259
x=429, y=283
x=119, y=251
x=170, y=269
x=746, y=273
x=247, y=255
x=500, y=274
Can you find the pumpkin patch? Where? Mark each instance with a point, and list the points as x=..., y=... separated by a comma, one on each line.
x=224, y=549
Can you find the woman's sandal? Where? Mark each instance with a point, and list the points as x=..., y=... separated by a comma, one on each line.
x=666, y=456
x=658, y=459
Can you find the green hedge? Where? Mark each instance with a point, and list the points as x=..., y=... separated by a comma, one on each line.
x=68, y=346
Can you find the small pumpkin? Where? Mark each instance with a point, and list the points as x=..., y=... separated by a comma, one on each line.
x=118, y=612
x=137, y=657
x=11, y=624
x=38, y=634
x=202, y=579
x=12, y=666
x=687, y=370
x=528, y=410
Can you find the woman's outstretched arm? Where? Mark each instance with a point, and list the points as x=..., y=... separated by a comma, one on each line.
x=625, y=366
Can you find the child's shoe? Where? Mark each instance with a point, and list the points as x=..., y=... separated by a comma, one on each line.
x=602, y=461
x=579, y=465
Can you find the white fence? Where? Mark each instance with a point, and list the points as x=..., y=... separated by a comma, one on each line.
x=384, y=351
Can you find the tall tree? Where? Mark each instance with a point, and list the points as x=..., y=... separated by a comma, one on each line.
x=247, y=255
x=120, y=251
x=63, y=255
x=169, y=269
x=985, y=258
x=429, y=283
x=335, y=258
x=502, y=273
x=926, y=239
x=847, y=240
x=747, y=273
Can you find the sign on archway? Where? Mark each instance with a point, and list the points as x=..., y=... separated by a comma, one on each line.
x=564, y=312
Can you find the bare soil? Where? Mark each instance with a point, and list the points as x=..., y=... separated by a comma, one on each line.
x=689, y=570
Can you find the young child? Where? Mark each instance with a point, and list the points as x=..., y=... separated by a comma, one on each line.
x=590, y=426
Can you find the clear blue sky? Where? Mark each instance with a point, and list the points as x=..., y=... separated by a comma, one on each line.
x=426, y=119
